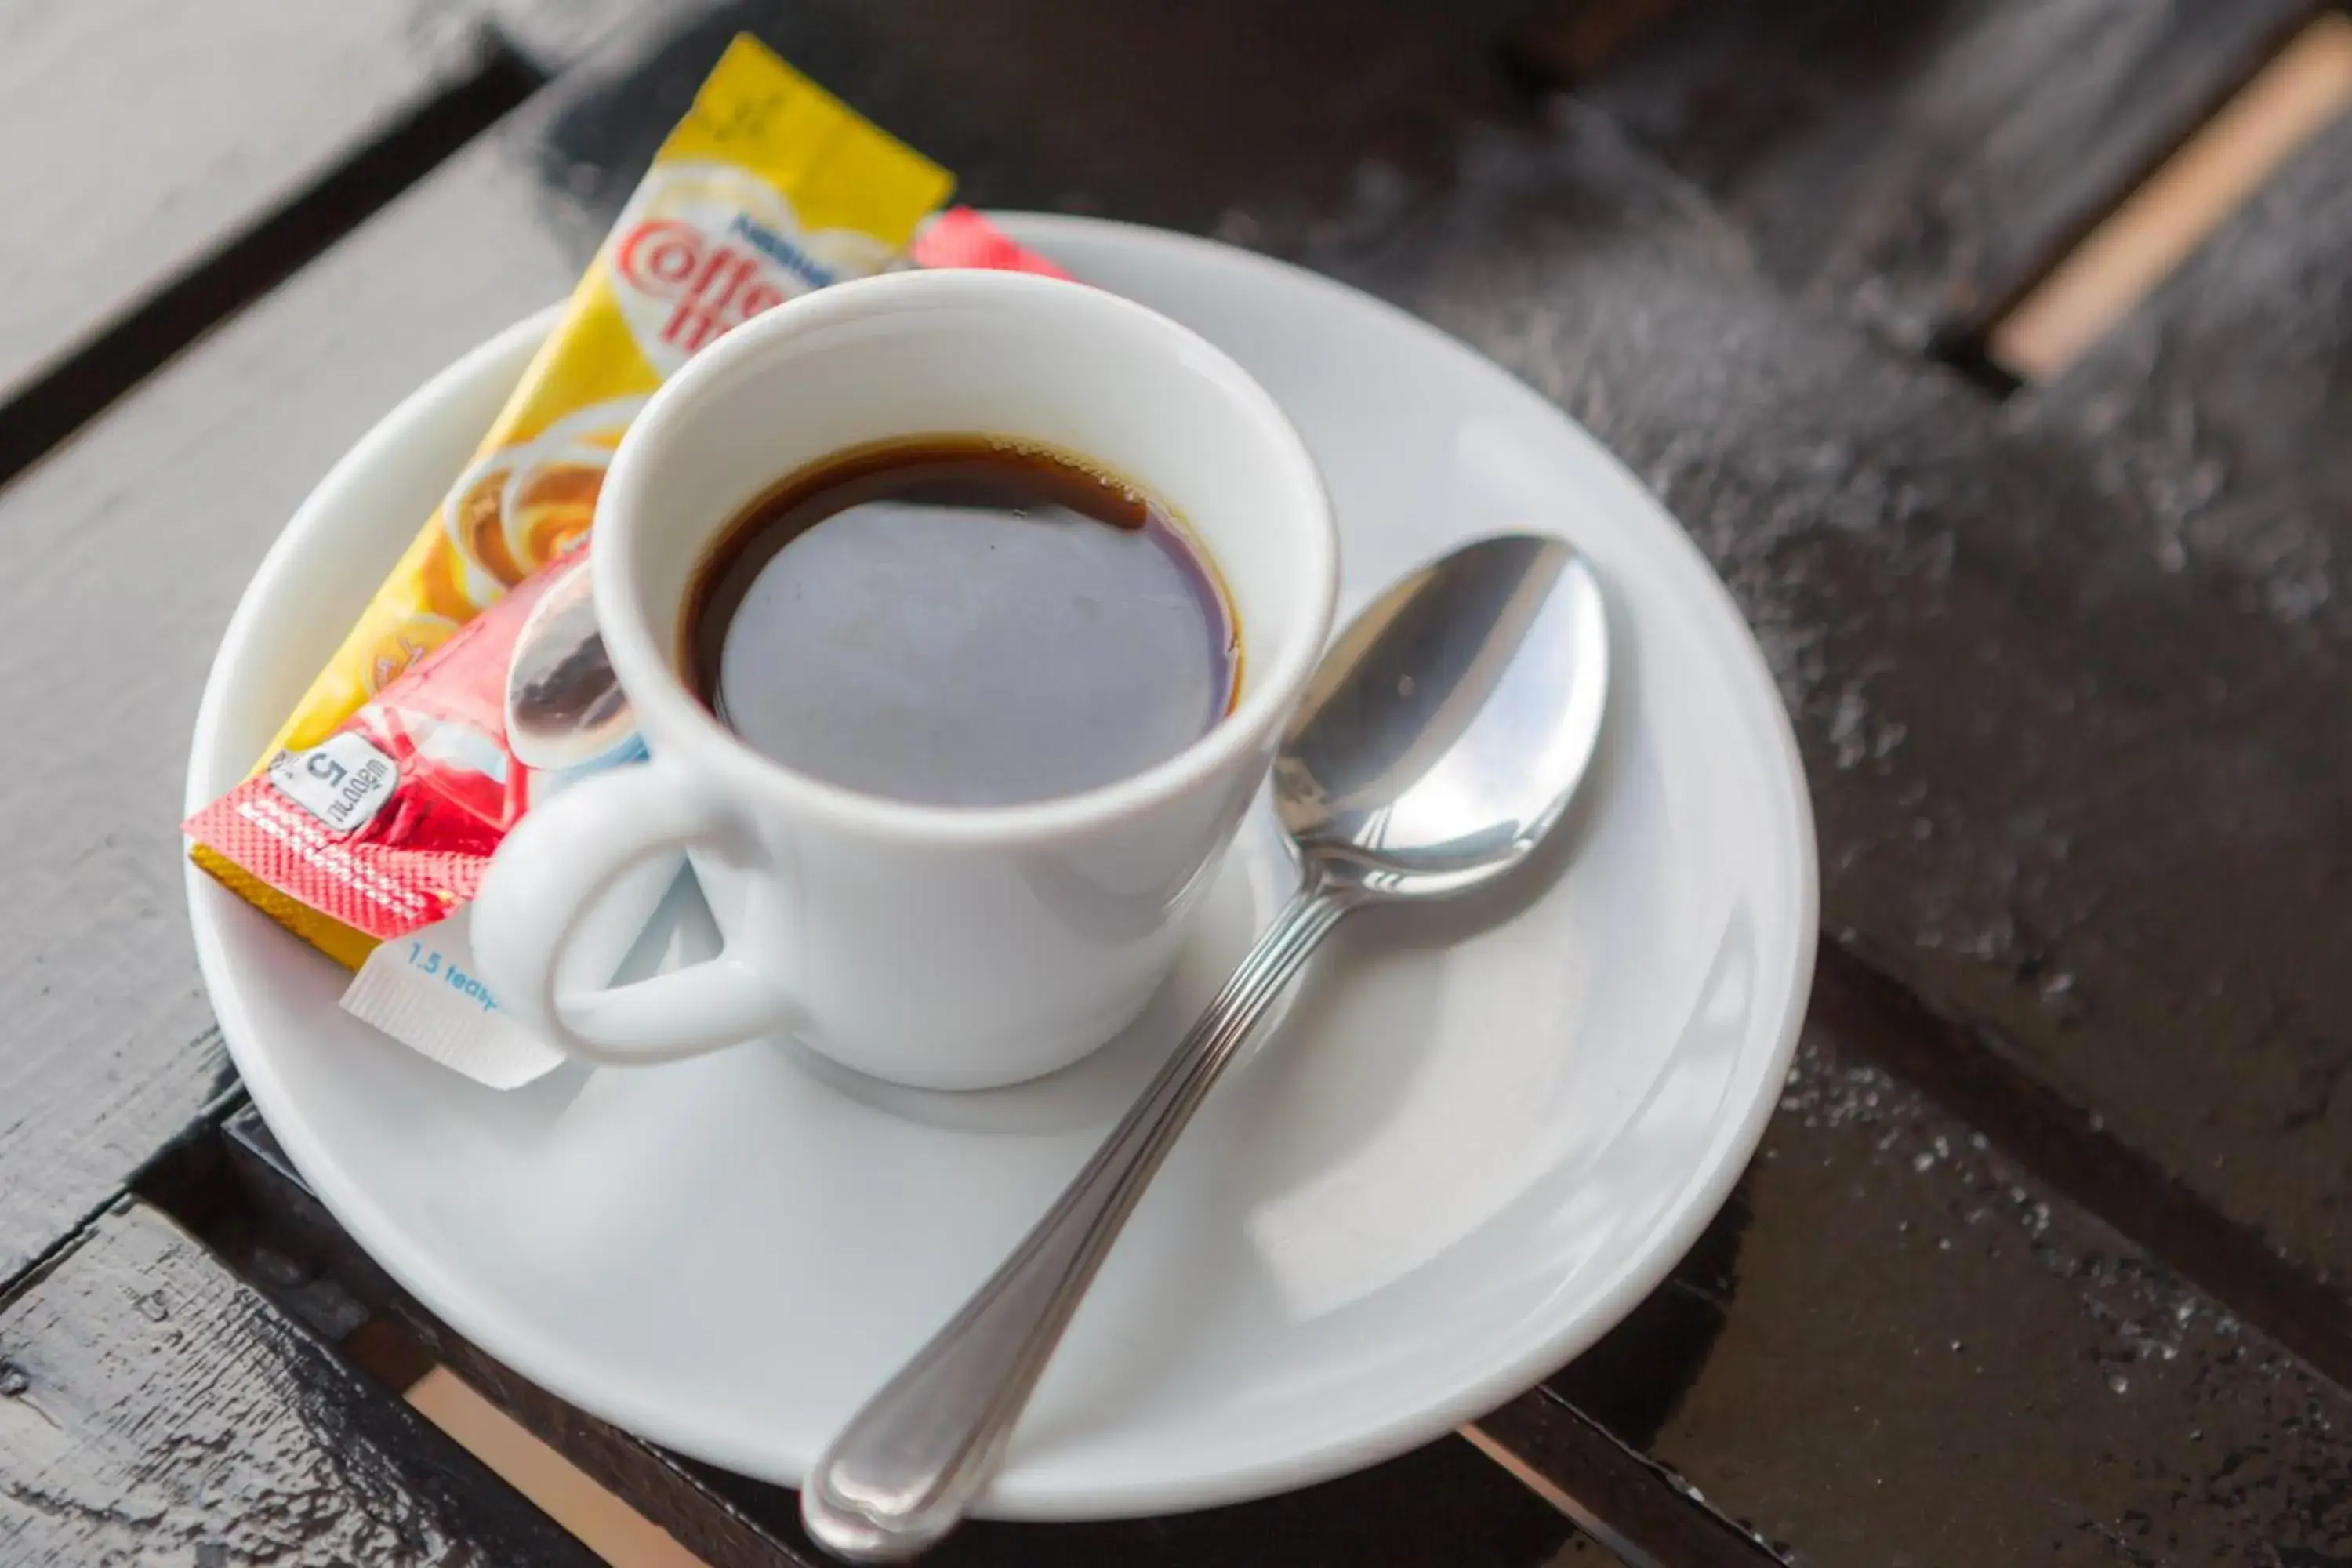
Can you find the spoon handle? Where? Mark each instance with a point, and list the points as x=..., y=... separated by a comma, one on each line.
x=902, y=1472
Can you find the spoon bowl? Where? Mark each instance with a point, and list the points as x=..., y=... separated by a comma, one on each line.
x=1447, y=728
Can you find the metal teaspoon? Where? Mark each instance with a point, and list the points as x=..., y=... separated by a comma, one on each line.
x=1443, y=736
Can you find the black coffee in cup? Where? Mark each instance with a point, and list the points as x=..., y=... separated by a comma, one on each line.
x=955, y=620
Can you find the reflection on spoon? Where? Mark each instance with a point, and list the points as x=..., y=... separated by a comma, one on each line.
x=563, y=705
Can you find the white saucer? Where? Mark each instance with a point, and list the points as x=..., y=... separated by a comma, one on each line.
x=1480, y=1137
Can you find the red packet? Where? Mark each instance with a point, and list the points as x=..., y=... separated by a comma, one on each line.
x=387, y=825
x=963, y=238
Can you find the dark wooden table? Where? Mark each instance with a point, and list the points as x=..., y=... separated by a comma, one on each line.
x=2047, y=1257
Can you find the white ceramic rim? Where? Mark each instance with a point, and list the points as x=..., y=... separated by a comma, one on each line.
x=650, y=679
x=549, y=1365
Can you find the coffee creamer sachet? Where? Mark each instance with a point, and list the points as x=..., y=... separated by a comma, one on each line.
x=768, y=188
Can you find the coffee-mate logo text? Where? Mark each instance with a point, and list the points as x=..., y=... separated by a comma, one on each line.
x=704, y=247
x=709, y=282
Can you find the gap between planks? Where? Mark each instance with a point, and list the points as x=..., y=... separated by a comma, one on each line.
x=605, y=1523
x=1971, y=1073
x=596, y=1515
x=250, y=262
x=206, y=1124
x=1624, y=1500
x=2178, y=206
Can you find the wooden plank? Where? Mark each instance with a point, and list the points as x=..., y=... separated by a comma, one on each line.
x=120, y=558
x=1915, y=167
x=152, y=1409
x=1900, y=1346
x=2070, y=1150
x=1443, y=1505
x=163, y=129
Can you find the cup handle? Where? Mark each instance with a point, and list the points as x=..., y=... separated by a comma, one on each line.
x=557, y=863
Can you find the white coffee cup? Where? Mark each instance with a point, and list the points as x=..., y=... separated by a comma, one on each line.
x=946, y=947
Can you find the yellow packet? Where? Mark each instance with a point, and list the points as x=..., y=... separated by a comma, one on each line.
x=769, y=187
